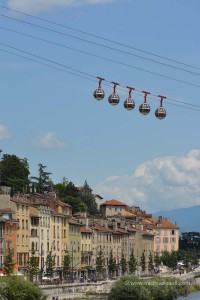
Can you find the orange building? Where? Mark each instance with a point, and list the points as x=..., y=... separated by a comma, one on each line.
x=166, y=235
x=8, y=235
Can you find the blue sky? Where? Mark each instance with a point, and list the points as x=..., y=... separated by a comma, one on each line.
x=51, y=117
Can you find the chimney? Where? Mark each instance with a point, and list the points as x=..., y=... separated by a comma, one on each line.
x=160, y=219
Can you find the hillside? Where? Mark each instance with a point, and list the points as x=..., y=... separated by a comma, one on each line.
x=188, y=219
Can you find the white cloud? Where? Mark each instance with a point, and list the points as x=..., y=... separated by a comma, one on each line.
x=33, y=6
x=49, y=141
x=4, y=132
x=163, y=183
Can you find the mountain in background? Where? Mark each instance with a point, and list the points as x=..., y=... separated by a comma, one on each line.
x=187, y=219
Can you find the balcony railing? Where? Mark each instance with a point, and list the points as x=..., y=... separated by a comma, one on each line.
x=87, y=253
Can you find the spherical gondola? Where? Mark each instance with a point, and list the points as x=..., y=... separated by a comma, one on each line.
x=129, y=103
x=144, y=108
x=99, y=93
x=114, y=99
x=160, y=112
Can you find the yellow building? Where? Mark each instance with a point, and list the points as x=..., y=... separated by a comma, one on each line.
x=74, y=247
x=22, y=208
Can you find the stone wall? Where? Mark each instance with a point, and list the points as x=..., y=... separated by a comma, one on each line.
x=76, y=290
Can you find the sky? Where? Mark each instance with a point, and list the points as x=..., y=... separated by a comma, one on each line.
x=49, y=115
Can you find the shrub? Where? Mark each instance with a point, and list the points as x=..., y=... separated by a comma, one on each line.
x=14, y=287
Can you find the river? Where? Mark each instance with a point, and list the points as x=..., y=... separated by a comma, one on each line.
x=192, y=296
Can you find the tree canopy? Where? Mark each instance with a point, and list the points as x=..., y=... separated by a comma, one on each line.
x=14, y=173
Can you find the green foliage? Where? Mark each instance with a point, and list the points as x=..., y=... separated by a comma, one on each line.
x=66, y=263
x=123, y=264
x=150, y=263
x=9, y=264
x=167, y=288
x=100, y=262
x=16, y=288
x=50, y=264
x=190, y=241
x=132, y=263
x=143, y=261
x=76, y=203
x=157, y=288
x=42, y=182
x=127, y=288
x=88, y=198
x=111, y=264
x=69, y=194
x=14, y=173
x=33, y=265
x=156, y=259
x=169, y=259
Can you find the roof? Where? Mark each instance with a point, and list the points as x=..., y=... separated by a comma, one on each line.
x=7, y=210
x=101, y=228
x=85, y=230
x=96, y=195
x=163, y=223
x=113, y=202
x=74, y=222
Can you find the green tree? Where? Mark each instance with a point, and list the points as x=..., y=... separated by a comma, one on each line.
x=111, y=264
x=50, y=264
x=9, y=264
x=150, y=263
x=77, y=204
x=33, y=265
x=127, y=288
x=156, y=259
x=16, y=288
x=132, y=263
x=14, y=173
x=88, y=198
x=143, y=261
x=66, y=263
x=42, y=182
x=123, y=264
x=100, y=262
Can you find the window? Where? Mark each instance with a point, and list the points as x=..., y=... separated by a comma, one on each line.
x=165, y=232
x=22, y=224
x=18, y=239
x=157, y=240
x=165, y=240
x=26, y=224
x=22, y=240
x=173, y=232
x=42, y=234
x=22, y=209
x=173, y=240
x=157, y=231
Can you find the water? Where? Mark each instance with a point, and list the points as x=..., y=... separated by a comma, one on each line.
x=192, y=296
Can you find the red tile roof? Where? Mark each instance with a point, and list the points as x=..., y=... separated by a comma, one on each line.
x=101, y=228
x=85, y=230
x=7, y=210
x=114, y=203
x=163, y=223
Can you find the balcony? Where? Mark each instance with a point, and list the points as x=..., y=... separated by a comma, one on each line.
x=86, y=253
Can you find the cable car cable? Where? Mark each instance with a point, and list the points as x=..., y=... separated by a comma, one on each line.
x=98, y=44
x=101, y=57
x=100, y=37
x=122, y=88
